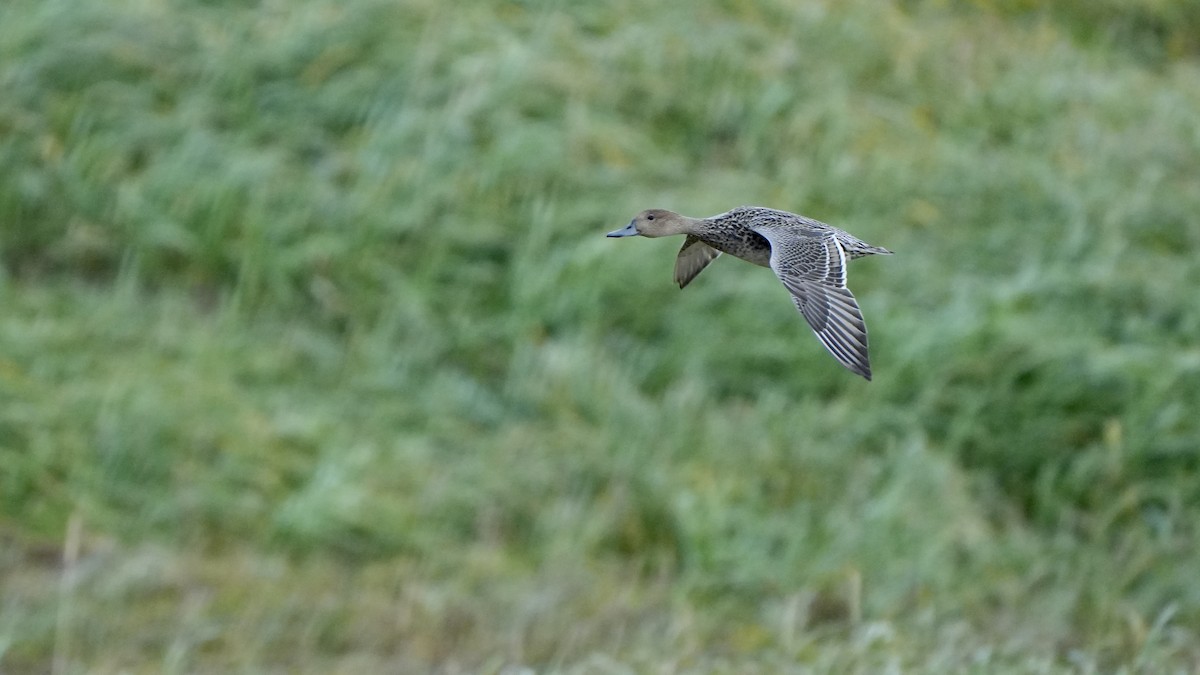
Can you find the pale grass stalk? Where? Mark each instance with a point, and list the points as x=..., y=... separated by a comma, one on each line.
x=66, y=595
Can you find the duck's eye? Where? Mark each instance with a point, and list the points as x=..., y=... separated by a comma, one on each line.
x=650, y=216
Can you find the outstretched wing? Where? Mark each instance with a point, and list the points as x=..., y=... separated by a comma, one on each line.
x=812, y=267
x=693, y=257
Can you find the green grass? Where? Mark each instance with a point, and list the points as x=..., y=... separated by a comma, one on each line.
x=313, y=357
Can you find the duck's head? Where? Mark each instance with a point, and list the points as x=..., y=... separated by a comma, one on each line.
x=653, y=223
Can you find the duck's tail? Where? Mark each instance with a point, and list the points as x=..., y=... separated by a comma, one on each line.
x=857, y=248
x=863, y=249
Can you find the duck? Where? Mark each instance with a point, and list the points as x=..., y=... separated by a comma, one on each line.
x=807, y=255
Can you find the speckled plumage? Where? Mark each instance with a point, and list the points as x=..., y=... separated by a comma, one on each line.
x=808, y=256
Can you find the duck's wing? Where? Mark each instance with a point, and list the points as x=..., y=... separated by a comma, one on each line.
x=693, y=257
x=812, y=266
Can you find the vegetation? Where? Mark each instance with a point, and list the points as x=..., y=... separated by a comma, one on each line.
x=313, y=357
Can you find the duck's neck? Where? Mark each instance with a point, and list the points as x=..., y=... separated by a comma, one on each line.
x=702, y=226
x=695, y=225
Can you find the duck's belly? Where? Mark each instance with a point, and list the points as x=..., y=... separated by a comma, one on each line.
x=749, y=246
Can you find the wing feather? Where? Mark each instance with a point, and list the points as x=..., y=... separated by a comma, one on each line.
x=693, y=257
x=813, y=269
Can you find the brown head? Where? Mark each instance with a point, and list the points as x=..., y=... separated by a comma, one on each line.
x=655, y=223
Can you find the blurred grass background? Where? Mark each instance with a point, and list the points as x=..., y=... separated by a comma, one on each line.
x=313, y=357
